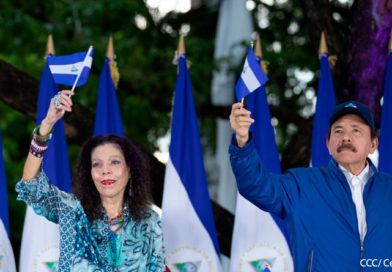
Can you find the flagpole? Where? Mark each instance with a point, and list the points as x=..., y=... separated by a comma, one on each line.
x=83, y=64
x=50, y=46
x=323, y=45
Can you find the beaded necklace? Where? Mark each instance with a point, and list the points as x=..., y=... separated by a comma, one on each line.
x=118, y=219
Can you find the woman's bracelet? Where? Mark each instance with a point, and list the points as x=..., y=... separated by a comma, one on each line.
x=40, y=143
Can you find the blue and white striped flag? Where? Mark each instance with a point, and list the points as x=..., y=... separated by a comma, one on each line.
x=326, y=102
x=3, y=192
x=188, y=224
x=7, y=261
x=252, y=76
x=260, y=239
x=107, y=113
x=385, y=147
x=65, y=69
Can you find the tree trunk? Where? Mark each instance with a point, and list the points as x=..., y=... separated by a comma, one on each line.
x=362, y=49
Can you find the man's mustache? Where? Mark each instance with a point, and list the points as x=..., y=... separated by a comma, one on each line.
x=348, y=146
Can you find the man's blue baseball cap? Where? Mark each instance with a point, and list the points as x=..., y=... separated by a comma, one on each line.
x=352, y=107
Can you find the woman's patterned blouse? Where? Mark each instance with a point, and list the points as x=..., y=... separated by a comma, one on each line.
x=84, y=245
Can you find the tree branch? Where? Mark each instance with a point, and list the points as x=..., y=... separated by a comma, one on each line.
x=18, y=89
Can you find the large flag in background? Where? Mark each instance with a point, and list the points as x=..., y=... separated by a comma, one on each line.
x=190, y=238
x=252, y=76
x=228, y=53
x=325, y=104
x=65, y=69
x=3, y=192
x=107, y=114
x=385, y=147
x=40, y=241
x=260, y=240
x=7, y=261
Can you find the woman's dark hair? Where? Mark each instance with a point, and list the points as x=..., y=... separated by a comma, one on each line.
x=85, y=190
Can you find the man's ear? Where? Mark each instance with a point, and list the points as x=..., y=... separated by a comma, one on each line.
x=374, y=145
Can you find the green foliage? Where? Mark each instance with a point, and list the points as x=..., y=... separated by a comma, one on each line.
x=144, y=58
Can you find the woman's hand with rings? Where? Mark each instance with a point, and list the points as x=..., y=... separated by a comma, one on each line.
x=59, y=104
x=62, y=100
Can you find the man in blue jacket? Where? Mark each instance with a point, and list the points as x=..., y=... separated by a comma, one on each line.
x=339, y=217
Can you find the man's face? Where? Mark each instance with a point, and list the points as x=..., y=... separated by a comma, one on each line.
x=350, y=142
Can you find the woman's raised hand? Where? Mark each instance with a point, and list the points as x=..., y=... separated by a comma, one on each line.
x=59, y=104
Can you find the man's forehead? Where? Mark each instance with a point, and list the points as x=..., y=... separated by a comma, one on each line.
x=349, y=119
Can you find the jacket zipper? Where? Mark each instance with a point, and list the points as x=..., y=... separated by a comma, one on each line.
x=310, y=262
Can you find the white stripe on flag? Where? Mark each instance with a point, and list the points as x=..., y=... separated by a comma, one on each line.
x=249, y=77
x=89, y=61
x=257, y=241
x=186, y=240
x=7, y=261
x=40, y=244
x=70, y=69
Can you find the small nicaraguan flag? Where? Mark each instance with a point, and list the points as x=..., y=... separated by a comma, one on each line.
x=252, y=76
x=188, y=225
x=65, y=69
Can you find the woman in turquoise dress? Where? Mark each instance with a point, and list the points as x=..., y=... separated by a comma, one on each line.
x=106, y=223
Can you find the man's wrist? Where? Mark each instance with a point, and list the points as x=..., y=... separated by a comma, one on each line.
x=242, y=141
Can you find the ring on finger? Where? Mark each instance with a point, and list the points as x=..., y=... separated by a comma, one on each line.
x=57, y=103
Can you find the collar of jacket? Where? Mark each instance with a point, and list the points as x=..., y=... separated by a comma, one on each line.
x=333, y=165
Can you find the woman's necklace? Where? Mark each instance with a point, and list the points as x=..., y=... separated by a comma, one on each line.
x=118, y=219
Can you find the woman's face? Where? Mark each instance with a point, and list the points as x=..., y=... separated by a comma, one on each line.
x=109, y=171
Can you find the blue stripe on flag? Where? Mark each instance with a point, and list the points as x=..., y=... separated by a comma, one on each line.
x=66, y=68
x=252, y=76
x=325, y=105
x=55, y=162
x=67, y=59
x=240, y=89
x=186, y=153
x=107, y=113
x=3, y=192
x=385, y=147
